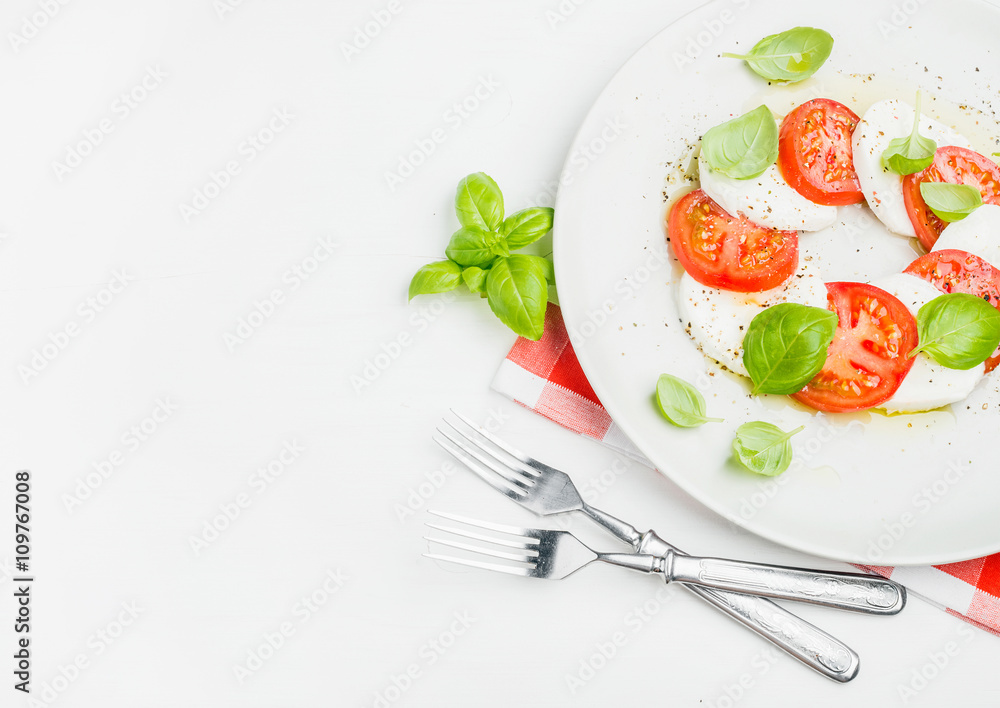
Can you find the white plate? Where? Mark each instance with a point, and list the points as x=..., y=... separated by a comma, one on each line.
x=864, y=488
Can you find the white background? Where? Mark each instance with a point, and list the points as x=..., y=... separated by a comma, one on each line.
x=206, y=602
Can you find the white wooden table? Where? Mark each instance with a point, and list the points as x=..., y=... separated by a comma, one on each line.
x=211, y=210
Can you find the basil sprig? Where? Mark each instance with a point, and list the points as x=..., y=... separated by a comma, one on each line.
x=681, y=403
x=957, y=330
x=743, y=147
x=911, y=154
x=479, y=255
x=950, y=202
x=792, y=55
x=785, y=346
x=763, y=448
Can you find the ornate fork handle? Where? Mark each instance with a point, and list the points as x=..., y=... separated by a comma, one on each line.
x=848, y=591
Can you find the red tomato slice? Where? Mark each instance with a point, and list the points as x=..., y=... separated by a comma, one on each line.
x=729, y=252
x=955, y=165
x=954, y=271
x=815, y=153
x=867, y=360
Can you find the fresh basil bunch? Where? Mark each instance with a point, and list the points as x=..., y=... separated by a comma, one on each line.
x=479, y=255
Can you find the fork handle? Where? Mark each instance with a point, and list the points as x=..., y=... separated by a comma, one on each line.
x=802, y=640
x=845, y=591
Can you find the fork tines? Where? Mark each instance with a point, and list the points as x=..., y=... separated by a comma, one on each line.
x=523, y=540
x=494, y=461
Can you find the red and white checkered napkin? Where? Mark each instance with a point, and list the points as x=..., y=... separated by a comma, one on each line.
x=546, y=377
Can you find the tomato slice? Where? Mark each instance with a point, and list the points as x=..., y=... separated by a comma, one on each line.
x=729, y=252
x=952, y=164
x=954, y=271
x=815, y=153
x=867, y=359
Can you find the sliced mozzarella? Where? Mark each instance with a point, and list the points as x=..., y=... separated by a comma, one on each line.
x=717, y=320
x=978, y=234
x=928, y=385
x=766, y=200
x=883, y=122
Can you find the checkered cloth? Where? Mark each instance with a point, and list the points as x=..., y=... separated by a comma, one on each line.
x=546, y=377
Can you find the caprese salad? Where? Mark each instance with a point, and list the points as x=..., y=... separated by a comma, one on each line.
x=751, y=303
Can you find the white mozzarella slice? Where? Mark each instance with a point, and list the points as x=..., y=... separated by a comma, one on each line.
x=717, y=320
x=928, y=385
x=978, y=234
x=883, y=122
x=766, y=200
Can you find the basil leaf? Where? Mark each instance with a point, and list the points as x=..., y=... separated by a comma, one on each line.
x=792, y=55
x=499, y=246
x=471, y=246
x=911, y=154
x=475, y=279
x=958, y=330
x=786, y=345
x=527, y=226
x=518, y=294
x=951, y=202
x=437, y=277
x=479, y=202
x=743, y=147
x=764, y=448
x=681, y=403
x=550, y=271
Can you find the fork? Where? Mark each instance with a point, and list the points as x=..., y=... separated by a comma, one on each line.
x=554, y=555
x=553, y=492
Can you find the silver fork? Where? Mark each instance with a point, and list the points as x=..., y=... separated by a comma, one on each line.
x=554, y=555
x=557, y=494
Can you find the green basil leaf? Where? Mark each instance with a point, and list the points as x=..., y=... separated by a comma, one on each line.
x=951, y=202
x=550, y=271
x=499, y=246
x=786, y=345
x=475, y=279
x=743, y=147
x=479, y=202
x=763, y=448
x=906, y=156
x=518, y=294
x=681, y=403
x=437, y=277
x=471, y=246
x=792, y=55
x=527, y=226
x=958, y=330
